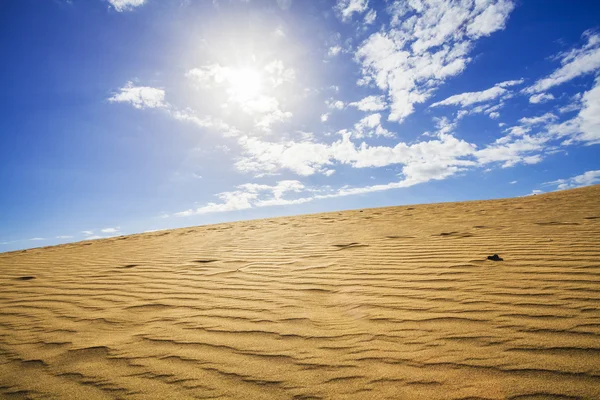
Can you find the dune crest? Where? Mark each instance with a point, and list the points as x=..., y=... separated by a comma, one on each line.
x=397, y=302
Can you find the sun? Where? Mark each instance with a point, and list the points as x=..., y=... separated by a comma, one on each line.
x=245, y=84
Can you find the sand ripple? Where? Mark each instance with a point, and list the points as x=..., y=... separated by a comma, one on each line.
x=396, y=303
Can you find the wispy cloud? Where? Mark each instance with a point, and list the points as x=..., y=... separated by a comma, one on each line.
x=586, y=179
x=110, y=230
x=126, y=5
x=247, y=196
x=542, y=119
x=370, y=103
x=541, y=98
x=575, y=63
x=469, y=98
x=140, y=96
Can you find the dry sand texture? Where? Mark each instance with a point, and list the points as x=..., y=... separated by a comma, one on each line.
x=396, y=303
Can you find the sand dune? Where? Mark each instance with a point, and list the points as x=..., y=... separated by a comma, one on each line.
x=396, y=303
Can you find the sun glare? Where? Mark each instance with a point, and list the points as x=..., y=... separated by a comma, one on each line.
x=245, y=84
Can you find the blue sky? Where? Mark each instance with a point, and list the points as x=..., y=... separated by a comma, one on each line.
x=125, y=116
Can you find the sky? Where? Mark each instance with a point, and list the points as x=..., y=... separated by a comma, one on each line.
x=128, y=116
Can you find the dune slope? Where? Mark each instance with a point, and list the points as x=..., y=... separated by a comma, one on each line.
x=397, y=303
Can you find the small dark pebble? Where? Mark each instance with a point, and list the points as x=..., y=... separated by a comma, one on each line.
x=25, y=278
x=495, y=257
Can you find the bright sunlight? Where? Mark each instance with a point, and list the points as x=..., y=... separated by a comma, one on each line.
x=245, y=84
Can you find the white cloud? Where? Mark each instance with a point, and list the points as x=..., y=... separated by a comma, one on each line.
x=125, y=5
x=258, y=195
x=148, y=97
x=577, y=62
x=110, y=230
x=334, y=51
x=466, y=99
x=188, y=115
x=308, y=158
x=370, y=103
x=335, y=104
x=589, y=116
x=140, y=96
x=542, y=119
x=492, y=18
x=541, y=98
x=37, y=239
x=574, y=104
x=324, y=117
x=586, y=179
x=469, y=98
x=371, y=126
x=517, y=130
x=427, y=43
x=510, y=152
x=231, y=201
x=278, y=74
x=87, y=233
x=370, y=17
x=209, y=75
x=512, y=182
x=347, y=8
x=265, y=110
x=513, y=82
x=249, y=195
x=64, y=237
x=303, y=158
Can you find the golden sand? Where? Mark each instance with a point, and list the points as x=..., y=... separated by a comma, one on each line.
x=388, y=303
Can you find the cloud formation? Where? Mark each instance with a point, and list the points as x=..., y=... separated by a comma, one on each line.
x=125, y=5
x=541, y=98
x=347, y=8
x=427, y=43
x=586, y=179
x=575, y=63
x=400, y=65
x=140, y=96
x=470, y=98
x=248, y=195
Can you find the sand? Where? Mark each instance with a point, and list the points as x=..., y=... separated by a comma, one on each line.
x=388, y=303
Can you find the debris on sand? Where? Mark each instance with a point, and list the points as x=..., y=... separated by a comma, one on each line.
x=495, y=257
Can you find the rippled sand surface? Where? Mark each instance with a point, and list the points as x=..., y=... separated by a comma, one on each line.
x=389, y=303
